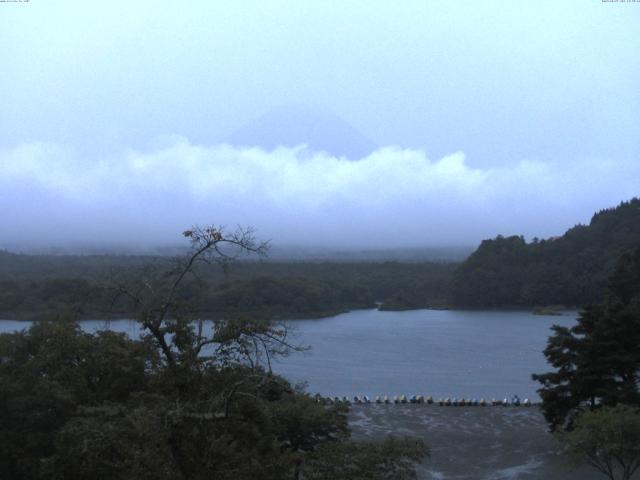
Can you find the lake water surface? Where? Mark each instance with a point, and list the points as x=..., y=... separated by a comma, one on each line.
x=429, y=352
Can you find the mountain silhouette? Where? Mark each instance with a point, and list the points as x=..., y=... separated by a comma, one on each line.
x=289, y=126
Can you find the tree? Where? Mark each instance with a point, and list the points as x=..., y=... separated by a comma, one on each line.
x=608, y=439
x=597, y=361
x=571, y=269
x=186, y=401
x=47, y=373
x=161, y=298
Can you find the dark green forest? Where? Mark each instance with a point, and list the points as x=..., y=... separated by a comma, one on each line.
x=36, y=286
x=570, y=270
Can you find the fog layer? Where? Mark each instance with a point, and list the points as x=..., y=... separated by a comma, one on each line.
x=51, y=196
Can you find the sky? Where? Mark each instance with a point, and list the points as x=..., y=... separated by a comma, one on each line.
x=361, y=124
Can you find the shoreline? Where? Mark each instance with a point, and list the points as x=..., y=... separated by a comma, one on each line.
x=472, y=443
x=315, y=315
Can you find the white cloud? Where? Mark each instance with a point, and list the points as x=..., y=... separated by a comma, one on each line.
x=292, y=195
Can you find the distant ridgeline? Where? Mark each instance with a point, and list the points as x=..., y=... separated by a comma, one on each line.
x=570, y=270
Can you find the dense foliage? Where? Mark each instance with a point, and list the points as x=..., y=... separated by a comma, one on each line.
x=597, y=362
x=37, y=286
x=608, y=439
x=569, y=270
x=79, y=405
x=180, y=403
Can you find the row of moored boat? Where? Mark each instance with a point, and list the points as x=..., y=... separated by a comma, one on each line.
x=445, y=402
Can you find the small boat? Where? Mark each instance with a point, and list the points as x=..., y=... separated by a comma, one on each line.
x=378, y=399
x=386, y=399
x=429, y=399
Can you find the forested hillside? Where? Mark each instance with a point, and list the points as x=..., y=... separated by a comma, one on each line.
x=36, y=286
x=569, y=270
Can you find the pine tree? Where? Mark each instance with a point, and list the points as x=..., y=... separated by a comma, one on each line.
x=597, y=362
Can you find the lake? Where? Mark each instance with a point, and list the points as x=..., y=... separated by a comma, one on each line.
x=430, y=352
x=440, y=353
